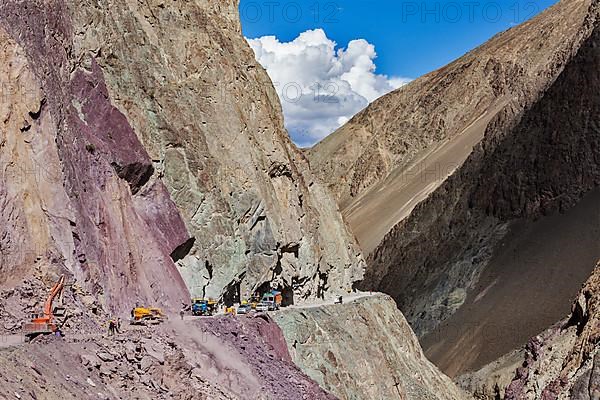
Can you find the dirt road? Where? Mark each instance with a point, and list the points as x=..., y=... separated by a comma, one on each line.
x=347, y=298
x=11, y=340
x=7, y=341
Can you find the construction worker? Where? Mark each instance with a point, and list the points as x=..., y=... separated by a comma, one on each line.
x=112, y=326
x=183, y=310
x=118, y=325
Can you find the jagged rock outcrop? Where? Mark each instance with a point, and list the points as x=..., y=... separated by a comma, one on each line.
x=139, y=135
x=75, y=180
x=562, y=362
x=363, y=349
x=212, y=123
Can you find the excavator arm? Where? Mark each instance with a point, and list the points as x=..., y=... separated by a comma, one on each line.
x=58, y=287
x=44, y=325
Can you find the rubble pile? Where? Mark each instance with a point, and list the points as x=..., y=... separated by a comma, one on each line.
x=20, y=303
x=207, y=358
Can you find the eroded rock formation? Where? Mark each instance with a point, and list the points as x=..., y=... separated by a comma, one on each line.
x=211, y=122
x=344, y=347
x=75, y=178
x=140, y=135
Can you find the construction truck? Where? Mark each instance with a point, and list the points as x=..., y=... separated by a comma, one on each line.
x=147, y=315
x=230, y=311
x=272, y=300
x=254, y=301
x=203, y=307
x=212, y=306
x=47, y=322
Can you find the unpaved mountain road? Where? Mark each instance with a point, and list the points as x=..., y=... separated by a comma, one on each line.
x=12, y=340
x=347, y=298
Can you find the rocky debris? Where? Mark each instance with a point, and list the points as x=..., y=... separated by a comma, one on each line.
x=363, y=349
x=262, y=347
x=84, y=312
x=587, y=386
x=492, y=320
x=212, y=358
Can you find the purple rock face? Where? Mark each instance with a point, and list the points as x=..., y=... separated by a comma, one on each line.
x=107, y=128
x=124, y=225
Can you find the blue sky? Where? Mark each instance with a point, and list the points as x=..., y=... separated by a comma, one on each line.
x=410, y=38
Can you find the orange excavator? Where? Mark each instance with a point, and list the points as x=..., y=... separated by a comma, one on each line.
x=44, y=324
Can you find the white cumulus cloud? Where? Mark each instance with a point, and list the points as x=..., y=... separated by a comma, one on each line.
x=321, y=87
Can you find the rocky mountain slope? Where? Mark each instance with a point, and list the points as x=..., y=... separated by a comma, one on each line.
x=143, y=155
x=220, y=358
x=540, y=155
x=127, y=175
x=562, y=362
x=520, y=111
x=527, y=286
x=398, y=150
x=344, y=346
x=487, y=168
x=77, y=187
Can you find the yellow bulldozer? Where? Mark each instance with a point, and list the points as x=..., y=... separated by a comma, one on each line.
x=147, y=315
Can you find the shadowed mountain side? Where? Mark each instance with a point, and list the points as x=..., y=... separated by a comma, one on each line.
x=536, y=268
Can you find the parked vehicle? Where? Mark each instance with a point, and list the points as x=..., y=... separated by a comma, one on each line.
x=201, y=307
x=273, y=299
x=244, y=309
x=253, y=302
x=262, y=307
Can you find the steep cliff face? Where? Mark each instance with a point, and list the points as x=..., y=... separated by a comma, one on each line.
x=363, y=349
x=140, y=135
x=76, y=182
x=212, y=124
